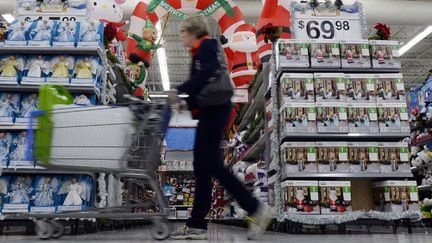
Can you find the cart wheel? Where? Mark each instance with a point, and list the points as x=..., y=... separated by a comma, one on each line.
x=160, y=230
x=58, y=229
x=43, y=230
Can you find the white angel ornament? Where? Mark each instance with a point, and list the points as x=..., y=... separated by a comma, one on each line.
x=42, y=31
x=5, y=143
x=18, y=31
x=45, y=190
x=66, y=32
x=37, y=66
x=21, y=191
x=10, y=66
x=76, y=192
x=19, y=145
x=86, y=68
x=9, y=105
x=89, y=32
x=29, y=104
x=61, y=65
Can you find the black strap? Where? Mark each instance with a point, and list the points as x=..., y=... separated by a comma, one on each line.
x=284, y=30
x=241, y=65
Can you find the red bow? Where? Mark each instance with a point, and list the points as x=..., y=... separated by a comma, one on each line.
x=383, y=31
x=270, y=33
x=112, y=30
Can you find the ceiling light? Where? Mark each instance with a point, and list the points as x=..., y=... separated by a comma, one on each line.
x=9, y=18
x=163, y=67
x=415, y=40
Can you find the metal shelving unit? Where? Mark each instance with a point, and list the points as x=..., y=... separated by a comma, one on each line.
x=253, y=107
x=344, y=137
x=50, y=50
x=335, y=70
x=350, y=175
x=76, y=88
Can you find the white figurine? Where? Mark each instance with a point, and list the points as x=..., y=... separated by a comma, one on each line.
x=44, y=192
x=21, y=191
x=89, y=32
x=43, y=31
x=19, y=144
x=18, y=31
x=5, y=143
x=67, y=32
x=28, y=105
x=37, y=66
x=8, y=105
x=76, y=192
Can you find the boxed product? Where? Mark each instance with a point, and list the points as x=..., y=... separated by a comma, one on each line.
x=41, y=32
x=396, y=196
x=363, y=157
x=335, y=197
x=362, y=118
x=330, y=87
x=325, y=54
x=17, y=152
x=9, y=107
x=361, y=88
x=394, y=157
x=355, y=54
x=293, y=53
x=4, y=185
x=91, y=33
x=385, y=54
x=19, y=195
x=29, y=104
x=300, y=197
x=5, y=145
x=66, y=33
x=393, y=117
x=332, y=156
x=298, y=118
x=61, y=70
x=390, y=88
x=11, y=69
x=75, y=193
x=297, y=87
x=45, y=196
x=332, y=117
x=36, y=70
x=87, y=71
x=17, y=33
x=299, y=157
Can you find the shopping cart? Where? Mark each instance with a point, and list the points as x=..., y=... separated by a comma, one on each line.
x=123, y=140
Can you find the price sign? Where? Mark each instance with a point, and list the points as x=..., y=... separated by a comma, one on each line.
x=327, y=24
x=240, y=96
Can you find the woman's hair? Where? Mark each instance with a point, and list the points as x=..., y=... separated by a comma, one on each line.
x=195, y=25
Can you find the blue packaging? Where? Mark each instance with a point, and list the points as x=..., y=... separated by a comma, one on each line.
x=5, y=144
x=29, y=103
x=35, y=71
x=9, y=107
x=17, y=33
x=18, y=149
x=76, y=193
x=41, y=33
x=66, y=33
x=11, y=69
x=91, y=33
x=4, y=185
x=45, y=197
x=19, y=195
x=87, y=71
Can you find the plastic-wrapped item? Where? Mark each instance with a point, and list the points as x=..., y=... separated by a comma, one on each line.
x=300, y=197
x=293, y=53
x=332, y=117
x=325, y=54
x=355, y=54
x=385, y=54
x=332, y=156
x=363, y=157
x=362, y=118
x=335, y=197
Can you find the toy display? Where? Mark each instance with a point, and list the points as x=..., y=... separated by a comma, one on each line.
x=41, y=33
x=361, y=88
x=11, y=68
x=330, y=87
x=4, y=185
x=355, y=54
x=19, y=195
x=60, y=69
x=181, y=189
x=17, y=33
x=298, y=118
x=75, y=193
x=86, y=70
x=297, y=87
x=300, y=197
x=9, y=107
x=332, y=156
x=299, y=157
x=293, y=53
x=18, y=150
x=393, y=117
x=390, y=88
x=325, y=54
x=396, y=196
x=332, y=117
x=90, y=33
x=72, y=7
x=335, y=197
x=5, y=144
x=385, y=54
x=362, y=118
x=66, y=33
x=36, y=70
x=363, y=157
x=45, y=196
x=394, y=157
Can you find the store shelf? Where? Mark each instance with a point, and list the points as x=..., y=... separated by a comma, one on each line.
x=58, y=50
x=336, y=70
x=40, y=170
x=253, y=108
x=15, y=127
x=376, y=137
x=35, y=88
x=425, y=188
x=349, y=175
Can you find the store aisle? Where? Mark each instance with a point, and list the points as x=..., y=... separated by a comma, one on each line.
x=219, y=233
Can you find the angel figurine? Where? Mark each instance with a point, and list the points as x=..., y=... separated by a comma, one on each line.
x=42, y=31
x=66, y=32
x=82, y=100
x=4, y=181
x=45, y=190
x=76, y=193
x=60, y=66
x=37, y=66
x=9, y=66
x=29, y=104
x=86, y=67
x=5, y=142
x=19, y=145
x=20, y=191
x=8, y=105
x=18, y=31
x=89, y=32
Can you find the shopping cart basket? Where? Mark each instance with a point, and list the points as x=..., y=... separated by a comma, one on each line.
x=122, y=140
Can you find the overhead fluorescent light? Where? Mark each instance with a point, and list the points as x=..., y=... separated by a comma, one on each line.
x=415, y=40
x=163, y=67
x=8, y=18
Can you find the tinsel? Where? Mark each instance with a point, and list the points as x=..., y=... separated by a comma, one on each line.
x=112, y=197
x=119, y=190
x=349, y=217
x=102, y=192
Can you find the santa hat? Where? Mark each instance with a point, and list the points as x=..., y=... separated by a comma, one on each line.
x=245, y=28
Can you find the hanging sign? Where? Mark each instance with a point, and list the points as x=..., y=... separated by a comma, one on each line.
x=327, y=22
x=240, y=96
x=211, y=9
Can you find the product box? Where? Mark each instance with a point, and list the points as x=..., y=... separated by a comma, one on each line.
x=394, y=157
x=19, y=195
x=355, y=54
x=297, y=87
x=61, y=70
x=17, y=152
x=396, y=196
x=5, y=145
x=46, y=194
x=66, y=33
x=9, y=107
x=36, y=70
x=393, y=117
x=11, y=69
x=87, y=71
x=299, y=157
x=385, y=54
x=91, y=33
x=292, y=53
x=361, y=88
x=4, y=185
x=298, y=118
x=362, y=118
x=75, y=193
x=330, y=87
x=363, y=157
x=325, y=54
x=17, y=33
x=29, y=104
x=332, y=156
x=41, y=33
x=390, y=88
x=332, y=117
x=300, y=197
x=335, y=197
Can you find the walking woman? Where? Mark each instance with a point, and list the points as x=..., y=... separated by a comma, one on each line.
x=208, y=159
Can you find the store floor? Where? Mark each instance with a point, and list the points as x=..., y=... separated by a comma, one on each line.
x=219, y=233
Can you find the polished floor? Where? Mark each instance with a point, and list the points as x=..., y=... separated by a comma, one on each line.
x=219, y=233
